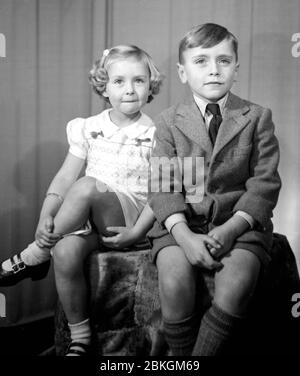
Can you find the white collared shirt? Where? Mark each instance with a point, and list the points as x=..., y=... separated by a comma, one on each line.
x=207, y=116
x=119, y=157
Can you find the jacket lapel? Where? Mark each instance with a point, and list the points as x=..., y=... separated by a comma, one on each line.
x=233, y=121
x=189, y=120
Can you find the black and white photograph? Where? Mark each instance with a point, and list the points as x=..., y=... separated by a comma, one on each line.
x=149, y=181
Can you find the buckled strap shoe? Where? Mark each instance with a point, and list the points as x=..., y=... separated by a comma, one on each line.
x=78, y=349
x=21, y=271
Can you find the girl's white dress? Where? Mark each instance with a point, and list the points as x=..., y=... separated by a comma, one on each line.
x=117, y=157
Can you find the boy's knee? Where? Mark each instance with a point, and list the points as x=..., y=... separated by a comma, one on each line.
x=236, y=282
x=170, y=285
x=175, y=274
x=176, y=283
x=177, y=289
x=177, y=298
x=235, y=293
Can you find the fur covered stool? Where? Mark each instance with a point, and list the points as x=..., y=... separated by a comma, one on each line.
x=125, y=309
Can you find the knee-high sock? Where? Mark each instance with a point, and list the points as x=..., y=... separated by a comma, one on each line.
x=181, y=335
x=216, y=329
x=32, y=255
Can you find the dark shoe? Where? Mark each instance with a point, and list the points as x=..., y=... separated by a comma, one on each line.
x=78, y=349
x=21, y=271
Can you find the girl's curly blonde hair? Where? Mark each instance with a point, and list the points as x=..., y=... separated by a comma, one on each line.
x=98, y=76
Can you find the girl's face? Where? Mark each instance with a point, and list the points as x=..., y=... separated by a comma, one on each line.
x=128, y=86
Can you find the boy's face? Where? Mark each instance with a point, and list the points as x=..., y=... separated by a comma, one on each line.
x=210, y=72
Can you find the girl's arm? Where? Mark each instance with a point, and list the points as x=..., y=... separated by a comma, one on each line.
x=128, y=236
x=65, y=177
x=144, y=223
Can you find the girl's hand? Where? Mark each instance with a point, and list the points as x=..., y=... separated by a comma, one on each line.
x=44, y=235
x=124, y=238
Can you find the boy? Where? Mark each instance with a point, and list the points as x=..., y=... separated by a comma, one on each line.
x=229, y=229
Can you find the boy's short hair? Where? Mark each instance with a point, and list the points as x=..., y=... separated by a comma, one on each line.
x=206, y=35
x=98, y=76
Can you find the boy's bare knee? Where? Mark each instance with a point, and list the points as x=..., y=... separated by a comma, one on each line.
x=177, y=297
x=171, y=286
x=235, y=286
x=232, y=297
x=176, y=284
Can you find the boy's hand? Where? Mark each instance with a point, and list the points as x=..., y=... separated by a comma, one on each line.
x=124, y=238
x=44, y=235
x=195, y=246
x=196, y=251
x=224, y=236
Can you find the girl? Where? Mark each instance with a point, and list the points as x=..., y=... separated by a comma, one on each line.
x=115, y=146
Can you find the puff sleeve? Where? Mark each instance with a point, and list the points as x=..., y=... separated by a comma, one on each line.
x=76, y=138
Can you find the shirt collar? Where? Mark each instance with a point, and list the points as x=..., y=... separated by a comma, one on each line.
x=132, y=131
x=202, y=103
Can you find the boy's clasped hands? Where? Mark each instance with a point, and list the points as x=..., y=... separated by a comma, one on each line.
x=205, y=250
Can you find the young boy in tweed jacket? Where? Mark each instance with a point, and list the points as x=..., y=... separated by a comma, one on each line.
x=229, y=228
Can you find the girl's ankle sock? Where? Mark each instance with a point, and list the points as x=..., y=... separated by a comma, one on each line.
x=32, y=255
x=80, y=332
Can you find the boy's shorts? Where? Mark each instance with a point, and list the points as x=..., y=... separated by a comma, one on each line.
x=256, y=242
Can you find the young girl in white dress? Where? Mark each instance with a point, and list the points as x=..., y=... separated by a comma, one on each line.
x=114, y=147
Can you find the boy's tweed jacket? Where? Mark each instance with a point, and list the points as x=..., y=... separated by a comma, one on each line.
x=240, y=172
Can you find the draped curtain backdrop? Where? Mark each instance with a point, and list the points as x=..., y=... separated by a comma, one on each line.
x=50, y=48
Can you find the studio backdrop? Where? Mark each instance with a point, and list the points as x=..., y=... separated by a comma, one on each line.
x=47, y=50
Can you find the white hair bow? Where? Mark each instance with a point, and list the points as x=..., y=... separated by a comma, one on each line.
x=105, y=52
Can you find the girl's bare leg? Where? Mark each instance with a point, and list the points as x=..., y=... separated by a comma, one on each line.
x=70, y=253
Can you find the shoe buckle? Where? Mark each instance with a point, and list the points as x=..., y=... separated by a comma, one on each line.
x=18, y=266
